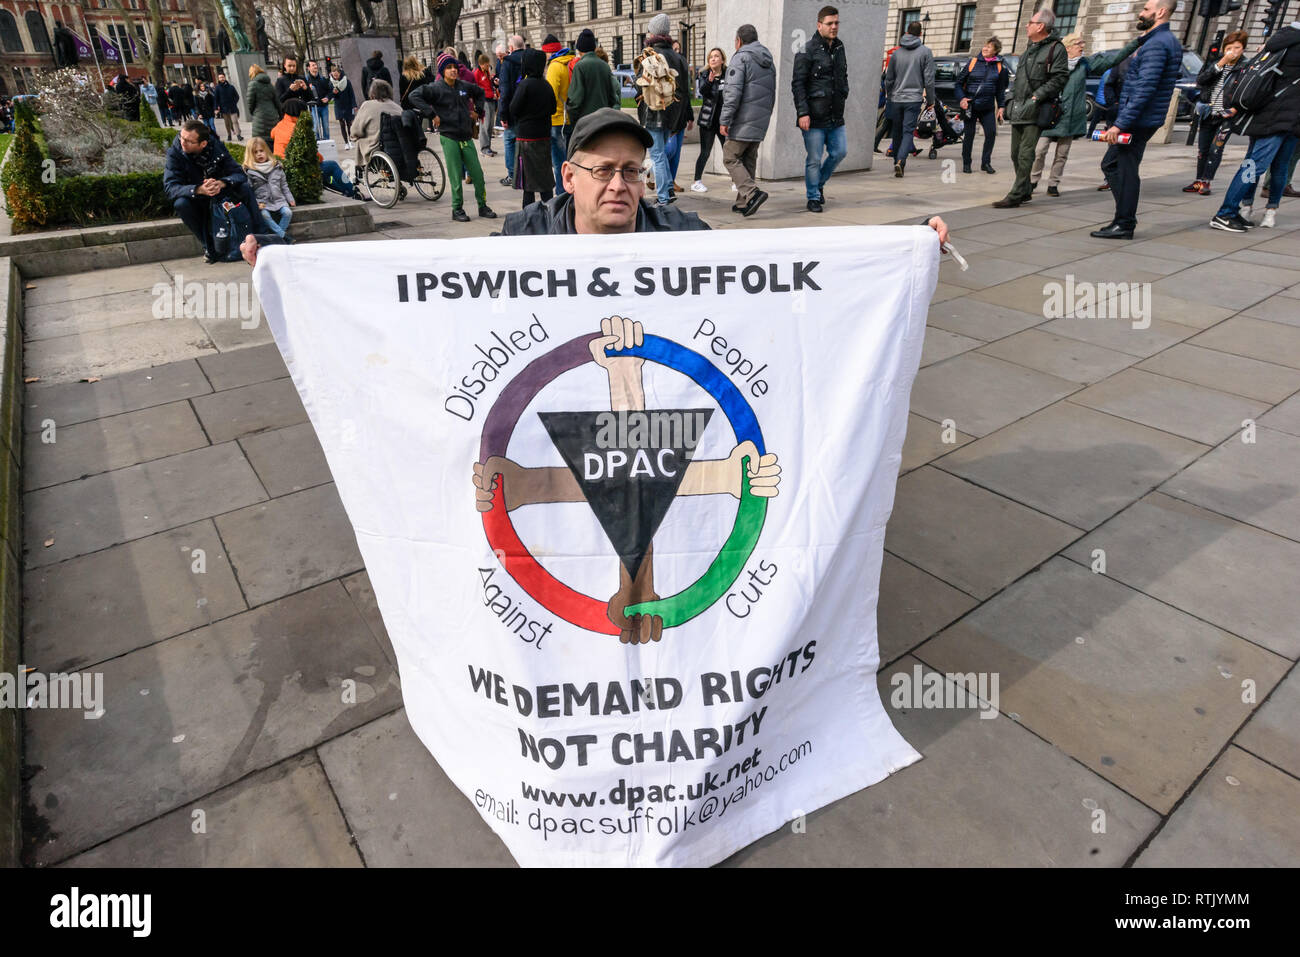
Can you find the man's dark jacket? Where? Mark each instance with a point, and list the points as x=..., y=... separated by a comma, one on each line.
x=555, y=217
x=821, y=82
x=227, y=97
x=183, y=172
x=509, y=73
x=1149, y=82
x=285, y=80
x=450, y=104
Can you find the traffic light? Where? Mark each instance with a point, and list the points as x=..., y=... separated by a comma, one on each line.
x=1272, y=13
x=1216, y=48
x=1211, y=8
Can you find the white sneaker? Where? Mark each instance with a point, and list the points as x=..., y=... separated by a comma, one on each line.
x=1269, y=220
x=698, y=187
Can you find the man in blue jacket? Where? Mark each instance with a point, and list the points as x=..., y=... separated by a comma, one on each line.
x=1143, y=103
x=197, y=171
x=509, y=72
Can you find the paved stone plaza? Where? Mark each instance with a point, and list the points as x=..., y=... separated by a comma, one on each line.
x=1126, y=692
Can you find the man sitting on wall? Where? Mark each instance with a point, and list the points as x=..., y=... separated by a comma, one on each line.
x=198, y=171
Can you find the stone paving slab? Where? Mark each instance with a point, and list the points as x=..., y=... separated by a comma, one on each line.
x=109, y=351
x=363, y=596
x=1273, y=734
x=1073, y=463
x=1216, y=568
x=402, y=808
x=103, y=510
x=178, y=724
x=1256, y=483
x=81, y=401
x=1265, y=381
x=92, y=285
x=940, y=344
x=285, y=816
x=984, y=271
x=1255, y=339
x=925, y=442
x=1277, y=308
x=1145, y=700
x=981, y=320
x=1060, y=356
x=1119, y=334
x=287, y=460
x=967, y=536
x=230, y=370
x=982, y=394
x=99, y=606
x=96, y=314
x=1284, y=418
x=913, y=606
x=251, y=408
x=88, y=448
x=1195, y=412
x=290, y=543
x=1248, y=821
x=988, y=794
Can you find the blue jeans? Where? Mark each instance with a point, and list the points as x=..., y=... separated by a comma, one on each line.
x=320, y=116
x=674, y=147
x=904, y=117
x=1272, y=153
x=277, y=220
x=212, y=123
x=559, y=153
x=332, y=177
x=816, y=172
x=508, y=138
x=663, y=168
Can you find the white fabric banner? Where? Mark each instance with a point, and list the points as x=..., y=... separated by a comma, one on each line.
x=623, y=500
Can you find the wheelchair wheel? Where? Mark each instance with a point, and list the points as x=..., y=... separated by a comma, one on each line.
x=382, y=182
x=431, y=177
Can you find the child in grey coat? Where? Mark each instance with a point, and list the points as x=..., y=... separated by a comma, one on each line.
x=270, y=185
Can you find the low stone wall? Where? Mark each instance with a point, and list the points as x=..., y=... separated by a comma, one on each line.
x=66, y=251
x=11, y=551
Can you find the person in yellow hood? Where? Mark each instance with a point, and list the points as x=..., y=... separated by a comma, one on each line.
x=559, y=59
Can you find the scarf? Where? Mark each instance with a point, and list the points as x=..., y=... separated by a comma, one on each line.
x=658, y=38
x=264, y=168
x=340, y=84
x=1072, y=61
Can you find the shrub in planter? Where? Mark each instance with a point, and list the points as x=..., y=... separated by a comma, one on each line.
x=300, y=163
x=27, y=198
x=98, y=200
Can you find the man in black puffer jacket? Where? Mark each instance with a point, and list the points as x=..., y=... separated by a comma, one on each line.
x=821, y=85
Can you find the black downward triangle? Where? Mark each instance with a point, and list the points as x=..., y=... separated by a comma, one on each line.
x=631, y=503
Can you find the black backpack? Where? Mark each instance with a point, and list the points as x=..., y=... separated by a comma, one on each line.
x=231, y=222
x=1260, y=83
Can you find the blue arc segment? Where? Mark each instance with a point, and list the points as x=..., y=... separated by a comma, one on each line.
x=709, y=378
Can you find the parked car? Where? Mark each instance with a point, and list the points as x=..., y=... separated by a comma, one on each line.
x=947, y=67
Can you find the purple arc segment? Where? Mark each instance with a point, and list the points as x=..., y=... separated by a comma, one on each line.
x=510, y=405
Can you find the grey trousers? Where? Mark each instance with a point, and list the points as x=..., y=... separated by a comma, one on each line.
x=741, y=159
x=1058, y=159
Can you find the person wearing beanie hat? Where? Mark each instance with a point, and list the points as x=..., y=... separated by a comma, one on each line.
x=590, y=82
x=665, y=125
x=558, y=59
x=454, y=105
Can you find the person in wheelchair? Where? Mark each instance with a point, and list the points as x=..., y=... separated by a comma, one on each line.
x=366, y=125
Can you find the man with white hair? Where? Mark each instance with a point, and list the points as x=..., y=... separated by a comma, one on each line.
x=1040, y=77
x=510, y=70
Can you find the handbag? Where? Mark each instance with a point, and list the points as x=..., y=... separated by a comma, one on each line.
x=1049, y=113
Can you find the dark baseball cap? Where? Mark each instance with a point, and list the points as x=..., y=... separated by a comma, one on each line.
x=606, y=120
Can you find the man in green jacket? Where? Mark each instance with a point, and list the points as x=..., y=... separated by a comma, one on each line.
x=1039, y=80
x=1074, y=109
x=590, y=88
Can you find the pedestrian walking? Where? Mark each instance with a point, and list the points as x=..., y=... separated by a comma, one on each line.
x=909, y=86
x=981, y=89
x=748, y=98
x=1143, y=104
x=1035, y=97
x=263, y=104
x=345, y=104
x=820, y=83
x=1074, y=108
x=1214, y=114
x=531, y=109
x=589, y=87
x=228, y=106
x=509, y=73
x=711, y=80
x=1273, y=129
x=664, y=84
